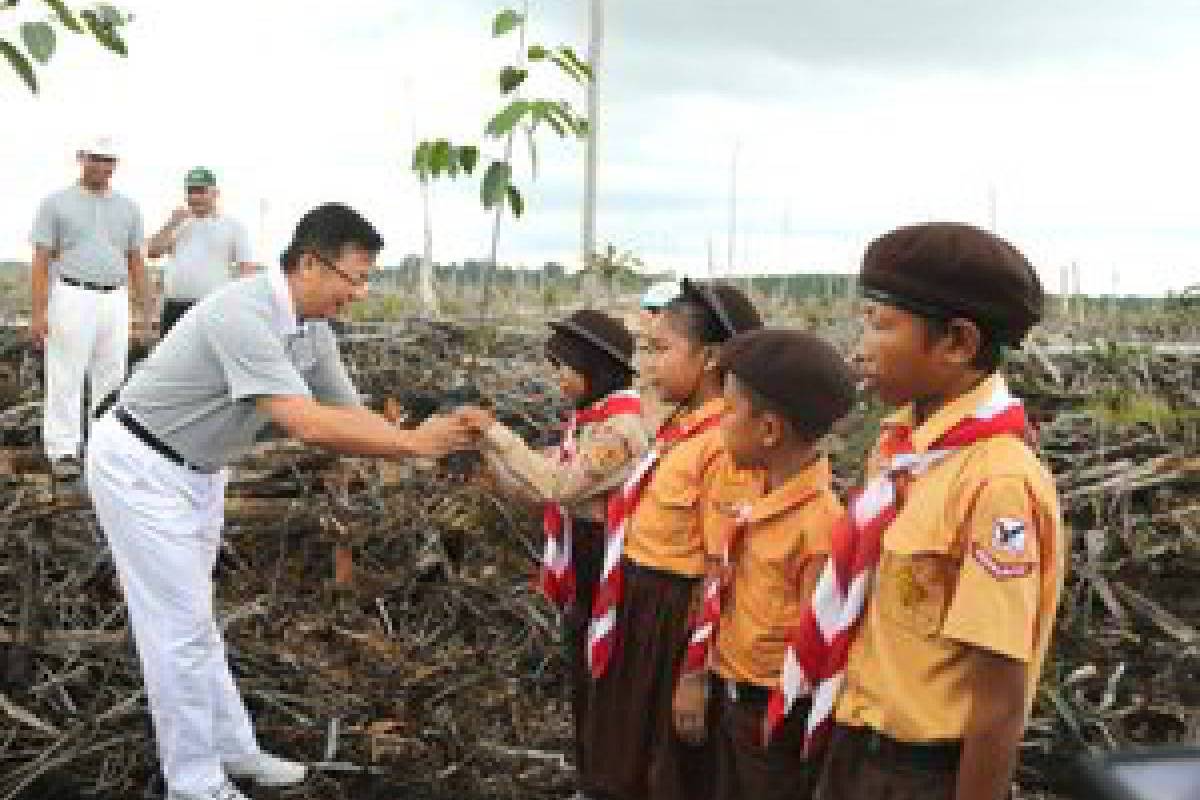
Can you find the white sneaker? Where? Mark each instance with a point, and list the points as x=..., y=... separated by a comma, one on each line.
x=265, y=769
x=226, y=791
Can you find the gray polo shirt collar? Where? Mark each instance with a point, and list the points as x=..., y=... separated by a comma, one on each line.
x=284, y=317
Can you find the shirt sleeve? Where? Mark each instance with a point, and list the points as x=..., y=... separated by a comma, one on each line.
x=605, y=457
x=251, y=355
x=45, y=225
x=329, y=380
x=995, y=600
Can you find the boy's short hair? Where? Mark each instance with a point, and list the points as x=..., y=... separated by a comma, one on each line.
x=942, y=270
x=794, y=373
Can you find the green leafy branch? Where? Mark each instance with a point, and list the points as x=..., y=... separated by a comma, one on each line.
x=103, y=22
x=435, y=158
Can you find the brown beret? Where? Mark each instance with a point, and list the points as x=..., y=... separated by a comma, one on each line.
x=730, y=308
x=948, y=269
x=600, y=332
x=801, y=373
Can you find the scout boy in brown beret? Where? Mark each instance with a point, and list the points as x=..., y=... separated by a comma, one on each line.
x=959, y=523
x=784, y=389
x=592, y=356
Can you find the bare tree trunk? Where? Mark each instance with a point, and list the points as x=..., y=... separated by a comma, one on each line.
x=595, y=44
x=429, y=300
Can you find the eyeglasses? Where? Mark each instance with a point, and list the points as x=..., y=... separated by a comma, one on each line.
x=100, y=159
x=357, y=283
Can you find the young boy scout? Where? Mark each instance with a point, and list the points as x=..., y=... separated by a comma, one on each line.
x=941, y=675
x=783, y=391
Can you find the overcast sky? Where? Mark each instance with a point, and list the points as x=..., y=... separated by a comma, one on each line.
x=1074, y=121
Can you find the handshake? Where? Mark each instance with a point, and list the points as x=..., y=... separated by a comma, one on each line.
x=450, y=422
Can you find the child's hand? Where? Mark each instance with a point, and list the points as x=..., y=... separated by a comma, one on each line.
x=477, y=420
x=689, y=707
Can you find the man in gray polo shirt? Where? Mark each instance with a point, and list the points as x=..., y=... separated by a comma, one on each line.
x=207, y=248
x=255, y=352
x=87, y=242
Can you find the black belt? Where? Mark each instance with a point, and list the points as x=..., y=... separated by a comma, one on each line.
x=150, y=440
x=95, y=287
x=932, y=756
x=742, y=692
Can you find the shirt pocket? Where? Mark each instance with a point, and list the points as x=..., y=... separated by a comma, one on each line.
x=677, y=504
x=917, y=566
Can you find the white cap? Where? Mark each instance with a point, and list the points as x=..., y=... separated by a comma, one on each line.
x=659, y=294
x=99, y=146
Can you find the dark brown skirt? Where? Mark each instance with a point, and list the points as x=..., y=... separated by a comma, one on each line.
x=588, y=555
x=631, y=751
x=745, y=769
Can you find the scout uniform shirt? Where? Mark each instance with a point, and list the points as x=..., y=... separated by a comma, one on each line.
x=974, y=558
x=666, y=530
x=787, y=529
x=197, y=390
x=605, y=452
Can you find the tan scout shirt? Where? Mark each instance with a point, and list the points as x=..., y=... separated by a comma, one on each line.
x=607, y=452
x=787, y=530
x=667, y=530
x=974, y=558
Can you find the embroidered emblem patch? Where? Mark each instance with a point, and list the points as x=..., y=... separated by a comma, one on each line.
x=999, y=569
x=1008, y=535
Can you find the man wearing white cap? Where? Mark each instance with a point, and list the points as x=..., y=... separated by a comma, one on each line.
x=207, y=248
x=88, y=238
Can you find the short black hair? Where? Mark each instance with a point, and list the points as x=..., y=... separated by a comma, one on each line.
x=327, y=230
x=990, y=355
x=712, y=312
x=696, y=321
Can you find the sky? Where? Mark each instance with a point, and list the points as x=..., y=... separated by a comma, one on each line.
x=1070, y=127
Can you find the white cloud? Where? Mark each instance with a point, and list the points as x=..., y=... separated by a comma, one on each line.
x=846, y=127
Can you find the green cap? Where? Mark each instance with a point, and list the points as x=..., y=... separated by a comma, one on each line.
x=200, y=176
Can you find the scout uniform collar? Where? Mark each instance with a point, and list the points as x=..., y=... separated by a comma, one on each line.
x=797, y=491
x=948, y=415
x=283, y=307
x=696, y=416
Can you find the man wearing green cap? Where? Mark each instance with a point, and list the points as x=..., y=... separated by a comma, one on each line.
x=206, y=248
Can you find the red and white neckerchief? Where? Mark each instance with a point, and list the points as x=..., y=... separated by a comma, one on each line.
x=557, y=579
x=707, y=622
x=602, y=628
x=815, y=659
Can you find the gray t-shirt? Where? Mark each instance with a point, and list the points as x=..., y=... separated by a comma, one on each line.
x=197, y=389
x=92, y=234
x=206, y=250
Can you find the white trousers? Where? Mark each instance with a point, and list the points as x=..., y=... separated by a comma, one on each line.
x=163, y=525
x=88, y=335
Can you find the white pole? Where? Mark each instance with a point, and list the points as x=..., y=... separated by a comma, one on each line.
x=732, y=209
x=595, y=43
